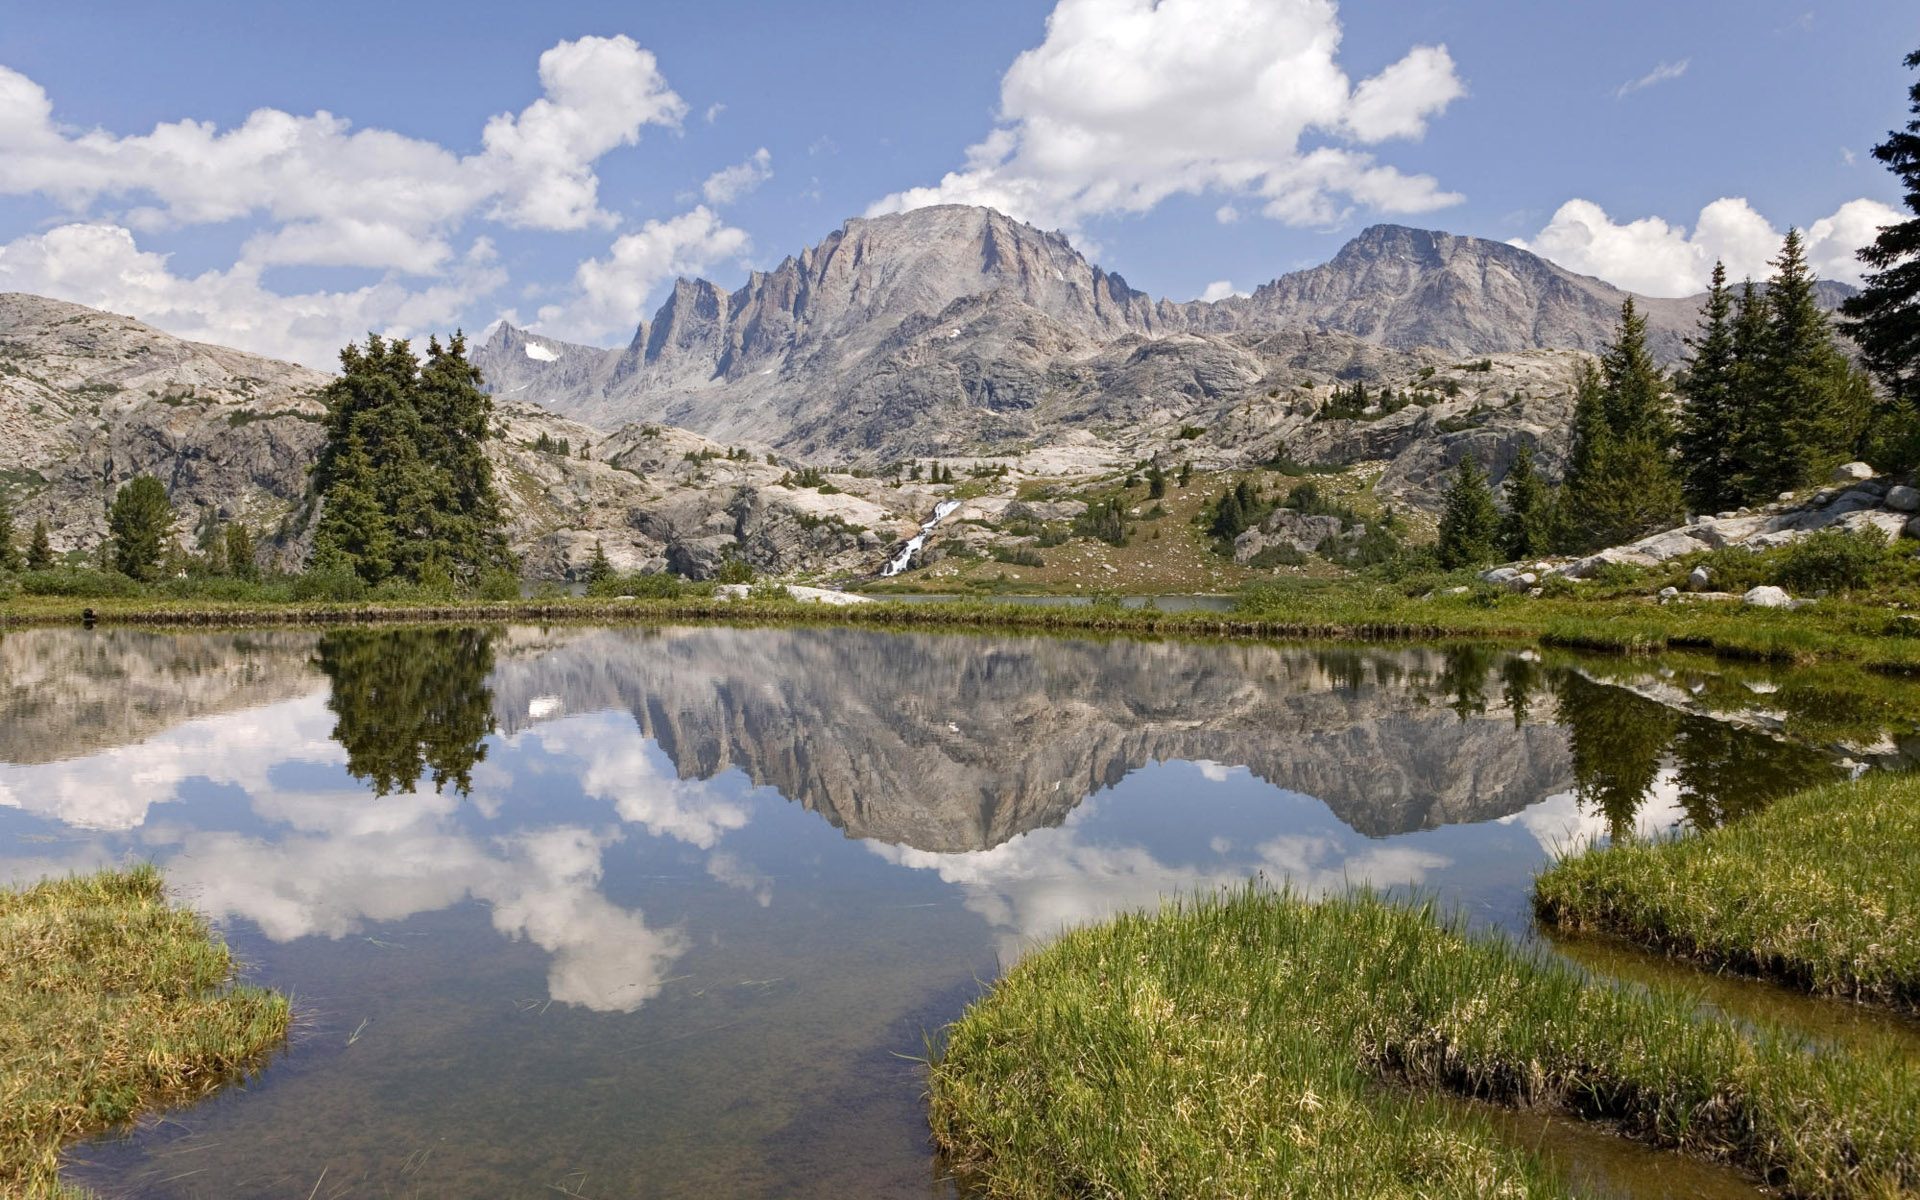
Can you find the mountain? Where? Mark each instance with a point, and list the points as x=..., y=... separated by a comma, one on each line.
x=954, y=329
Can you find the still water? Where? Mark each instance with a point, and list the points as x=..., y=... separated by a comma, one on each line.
x=670, y=912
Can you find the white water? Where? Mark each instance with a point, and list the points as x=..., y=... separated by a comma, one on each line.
x=900, y=560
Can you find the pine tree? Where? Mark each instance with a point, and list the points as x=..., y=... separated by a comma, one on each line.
x=1469, y=523
x=1156, y=482
x=239, y=540
x=405, y=484
x=1186, y=474
x=1711, y=431
x=139, y=523
x=598, y=567
x=39, y=549
x=1620, y=480
x=9, y=552
x=1813, y=408
x=1884, y=318
x=1526, y=531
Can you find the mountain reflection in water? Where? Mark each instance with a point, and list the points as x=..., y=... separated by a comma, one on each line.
x=674, y=908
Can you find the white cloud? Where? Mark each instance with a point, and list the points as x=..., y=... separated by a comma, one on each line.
x=713, y=112
x=381, y=193
x=724, y=187
x=100, y=265
x=1660, y=74
x=1655, y=258
x=610, y=293
x=1220, y=289
x=1128, y=102
x=322, y=193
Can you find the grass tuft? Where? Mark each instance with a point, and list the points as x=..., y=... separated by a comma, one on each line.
x=112, y=1002
x=1821, y=891
x=1250, y=1045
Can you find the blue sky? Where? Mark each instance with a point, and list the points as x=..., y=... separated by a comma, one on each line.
x=561, y=163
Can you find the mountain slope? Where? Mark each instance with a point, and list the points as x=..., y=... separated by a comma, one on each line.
x=945, y=329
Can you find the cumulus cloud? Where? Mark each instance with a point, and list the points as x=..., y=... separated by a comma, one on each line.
x=100, y=265
x=1656, y=258
x=724, y=187
x=323, y=193
x=1660, y=74
x=1220, y=289
x=1128, y=102
x=610, y=293
x=384, y=194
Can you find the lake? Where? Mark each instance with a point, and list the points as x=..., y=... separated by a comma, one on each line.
x=668, y=912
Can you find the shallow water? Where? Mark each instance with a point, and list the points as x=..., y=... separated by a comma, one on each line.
x=685, y=904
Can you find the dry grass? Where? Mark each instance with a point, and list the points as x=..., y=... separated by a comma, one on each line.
x=112, y=1002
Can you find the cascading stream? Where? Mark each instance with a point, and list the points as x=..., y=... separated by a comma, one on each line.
x=899, y=563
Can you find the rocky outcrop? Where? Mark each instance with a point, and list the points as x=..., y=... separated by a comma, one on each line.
x=950, y=328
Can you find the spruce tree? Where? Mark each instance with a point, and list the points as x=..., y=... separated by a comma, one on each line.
x=1884, y=318
x=139, y=523
x=1526, y=530
x=1469, y=523
x=239, y=540
x=405, y=485
x=1156, y=482
x=39, y=549
x=1813, y=408
x=598, y=567
x=1621, y=482
x=9, y=552
x=1710, y=427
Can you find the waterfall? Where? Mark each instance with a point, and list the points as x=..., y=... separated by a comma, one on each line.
x=900, y=560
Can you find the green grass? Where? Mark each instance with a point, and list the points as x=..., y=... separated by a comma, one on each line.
x=112, y=1002
x=1821, y=891
x=1256, y=1044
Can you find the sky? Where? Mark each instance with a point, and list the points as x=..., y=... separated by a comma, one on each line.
x=286, y=178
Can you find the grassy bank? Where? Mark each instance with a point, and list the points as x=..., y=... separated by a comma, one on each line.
x=1259, y=1045
x=1861, y=633
x=112, y=1002
x=1821, y=891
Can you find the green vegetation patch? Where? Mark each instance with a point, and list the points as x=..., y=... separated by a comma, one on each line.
x=1245, y=1044
x=1821, y=890
x=112, y=1002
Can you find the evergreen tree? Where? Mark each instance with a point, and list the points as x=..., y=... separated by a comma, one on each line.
x=213, y=561
x=9, y=552
x=410, y=703
x=598, y=567
x=1156, y=482
x=1526, y=531
x=1469, y=523
x=1813, y=407
x=39, y=549
x=405, y=484
x=239, y=545
x=1186, y=474
x=1884, y=319
x=1620, y=480
x=1711, y=431
x=139, y=523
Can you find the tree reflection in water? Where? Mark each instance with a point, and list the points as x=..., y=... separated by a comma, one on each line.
x=409, y=702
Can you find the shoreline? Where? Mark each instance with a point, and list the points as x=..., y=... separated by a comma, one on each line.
x=1873, y=637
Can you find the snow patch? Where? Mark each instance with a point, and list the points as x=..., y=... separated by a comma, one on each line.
x=541, y=353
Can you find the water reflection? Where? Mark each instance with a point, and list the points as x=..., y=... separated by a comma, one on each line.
x=410, y=702
x=696, y=889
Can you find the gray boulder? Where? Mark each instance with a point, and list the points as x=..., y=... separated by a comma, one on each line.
x=1853, y=472
x=1767, y=596
x=1903, y=498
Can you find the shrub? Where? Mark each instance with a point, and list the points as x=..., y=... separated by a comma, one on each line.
x=328, y=584
x=735, y=570
x=1018, y=556
x=499, y=585
x=1833, y=558
x=1280, y=554
x=79, y=584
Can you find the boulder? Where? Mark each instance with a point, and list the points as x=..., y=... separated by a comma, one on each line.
x=1700, y=580
x=1767, y=596
x=1890, y=523
x=1903, y=498
x=1674, y=543
x=1852, y=472
x=1584, y=568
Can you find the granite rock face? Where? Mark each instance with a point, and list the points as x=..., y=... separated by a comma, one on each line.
x=950, y=327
